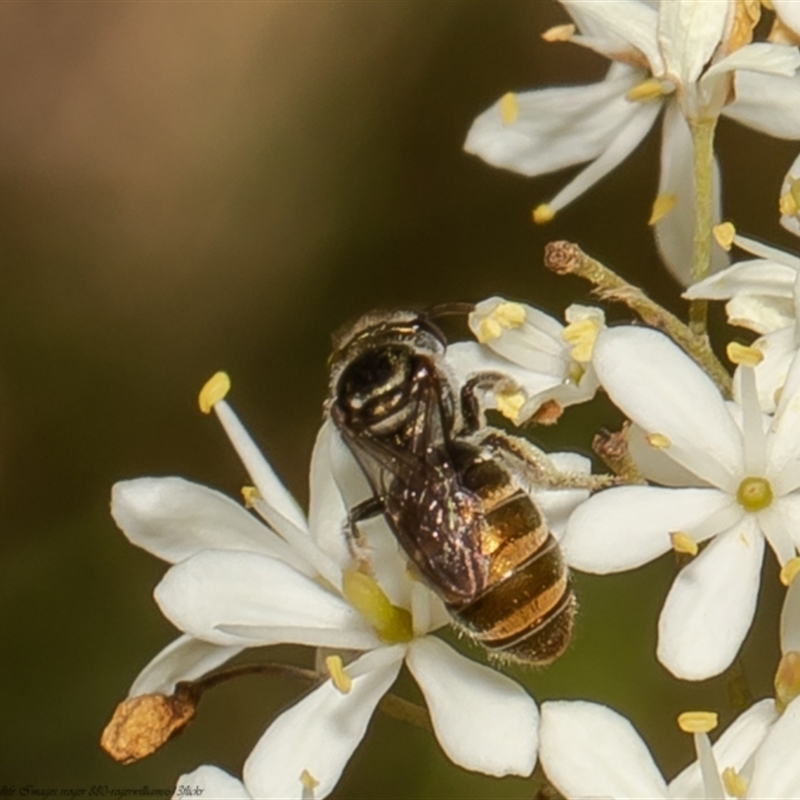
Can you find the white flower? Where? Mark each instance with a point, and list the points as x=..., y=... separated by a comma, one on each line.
x=238, y=583
x=588, y=750
x=681, y=58
x=737, y=473
x=763, y=296
x=539, y=360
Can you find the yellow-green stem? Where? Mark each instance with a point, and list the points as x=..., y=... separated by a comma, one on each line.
x=703, y=149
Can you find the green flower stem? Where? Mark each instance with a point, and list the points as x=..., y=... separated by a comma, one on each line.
x=703, y=149
x=566, y=258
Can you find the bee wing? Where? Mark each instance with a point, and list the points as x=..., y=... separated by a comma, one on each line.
x=436, y=520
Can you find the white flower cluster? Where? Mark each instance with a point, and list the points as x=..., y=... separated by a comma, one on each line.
x=716, y=465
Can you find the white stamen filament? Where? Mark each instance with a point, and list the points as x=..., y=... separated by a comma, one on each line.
x=258, y=468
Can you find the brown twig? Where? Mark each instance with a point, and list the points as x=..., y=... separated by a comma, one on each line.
x=566, y=258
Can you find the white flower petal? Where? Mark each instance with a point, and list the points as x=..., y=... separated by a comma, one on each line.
x=174, y=518
x=617, y=28
x=388, y=561
x=761, y=58
x=778, y=349
x=327, y=512
x=185, y=659
x=776, y=770
x=482, y=719
x=558, y=504
x=733, y=748
x=788, y=12
x=756, y=276
x=261, y=473
x=778, y=523
x=219, y=590
x=661, y=389
x=767, y=103
x=317, y=735
x=211, y=783
x=532, y=344
x=465, y=360
x=711, y=604
x=674, y=231
x=627, y=139
x=655, y=465
x=760, y=313
x=555, y=128
x=588, y=750
x=790, y=619
x=689, y=32
x=765, y=251
x=627, y=526
x=783, y=440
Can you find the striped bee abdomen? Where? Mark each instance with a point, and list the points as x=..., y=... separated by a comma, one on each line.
x=526, y=610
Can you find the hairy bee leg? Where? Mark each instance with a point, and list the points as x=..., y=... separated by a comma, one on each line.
x=537, y=467
x=367, y=509
x=472, y=412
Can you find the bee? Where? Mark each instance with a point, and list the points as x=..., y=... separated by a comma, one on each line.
x=455, y=492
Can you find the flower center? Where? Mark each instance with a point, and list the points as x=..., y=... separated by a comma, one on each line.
x=754, y=494
x=392, y=623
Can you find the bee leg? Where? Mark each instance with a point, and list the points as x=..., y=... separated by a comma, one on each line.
x=535, y=466
x=472, y=412
x=371, y=507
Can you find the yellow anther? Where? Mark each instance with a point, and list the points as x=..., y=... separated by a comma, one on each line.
x=744, y=356
x=768, y=5
x=308, y=780
x=582, y=335
x=697, y=721
x=658, y=440
x=392, y=623
x=662, y=205
x=488, y=329
x=724, y=233
x=510, y=315
x=509, y=404
x=559, y=33
x=542, y=214
x=789, y=570
x=249, y=495
x=646, y=91
x=214, y=390
x=735, y=784
x=509, y=108
x=341, y=680
x=787, y=205
x=754, y=494
x=787, y=680
x=504, y=316
x=681, y=543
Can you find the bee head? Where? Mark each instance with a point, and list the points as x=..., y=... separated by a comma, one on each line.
x=376, y=366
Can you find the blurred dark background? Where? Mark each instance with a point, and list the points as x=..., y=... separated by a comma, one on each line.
x=186, y=187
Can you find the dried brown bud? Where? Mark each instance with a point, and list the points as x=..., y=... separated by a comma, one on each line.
x=140, y=725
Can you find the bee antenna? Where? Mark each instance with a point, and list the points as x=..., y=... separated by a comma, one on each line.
x=449, y=310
